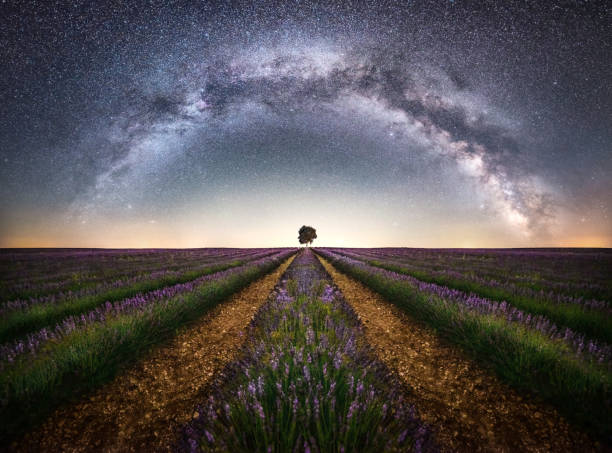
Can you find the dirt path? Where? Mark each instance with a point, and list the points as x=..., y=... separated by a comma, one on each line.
x=468, y=406
x=142, y=409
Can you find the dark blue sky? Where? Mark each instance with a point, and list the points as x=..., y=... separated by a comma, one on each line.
x=423, y=123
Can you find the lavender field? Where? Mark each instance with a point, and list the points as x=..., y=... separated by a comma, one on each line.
x=72, y=318
x=510, y=349
x=158, y=159
x=541, y=319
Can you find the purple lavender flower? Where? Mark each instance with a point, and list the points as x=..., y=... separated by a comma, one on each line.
x=209, y=436
x=327, y=343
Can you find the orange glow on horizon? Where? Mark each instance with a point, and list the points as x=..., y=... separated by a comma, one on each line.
x=162, y=242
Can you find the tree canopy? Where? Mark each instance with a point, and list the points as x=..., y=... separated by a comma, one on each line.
x=307, y=234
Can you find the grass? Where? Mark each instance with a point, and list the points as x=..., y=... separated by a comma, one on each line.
x=84, y=360
x=521, y=357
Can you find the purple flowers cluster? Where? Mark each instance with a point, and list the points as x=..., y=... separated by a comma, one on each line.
x=577, y=342
x=126, y=280
x=132, y=305
x=555, y=292
x=43, y=271
x=304, y=382
x=23, y=304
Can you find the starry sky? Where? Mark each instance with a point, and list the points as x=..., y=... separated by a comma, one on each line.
x=380, y=123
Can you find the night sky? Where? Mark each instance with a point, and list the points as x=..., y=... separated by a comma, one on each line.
x=407, y=123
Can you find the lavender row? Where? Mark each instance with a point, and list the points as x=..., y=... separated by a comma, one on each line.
x=22, y=304
x=305, y=382
x=33, y=342
x=576, y=342
x=56, y=264
x=571, y=272
x=65, y=276
x=468, y=275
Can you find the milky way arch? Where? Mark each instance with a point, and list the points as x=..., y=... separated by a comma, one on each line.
x=420, y=105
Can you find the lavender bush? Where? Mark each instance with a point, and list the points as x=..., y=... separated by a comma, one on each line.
x=560, y=276
x=524, y=351
x=33, y=342
x=159, y=270
x=575, y=341
x=91, y=351
x=305, y=381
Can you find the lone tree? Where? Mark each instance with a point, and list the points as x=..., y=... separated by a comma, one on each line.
x=307, y=234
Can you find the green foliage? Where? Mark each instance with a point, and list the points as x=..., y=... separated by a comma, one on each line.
x=87, y=358
x=307, y=234
x=593, y=323
x=524, y=358
x=21, y=322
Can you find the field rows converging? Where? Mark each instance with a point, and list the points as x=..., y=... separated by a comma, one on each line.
x=21, y=317
x=51, y=366
x=306, y=381
x=581, y=273
x=33, y=274
x=317, y=350
x=569, y=306
x=470, y=409
x=141, y=409
x=528, y=352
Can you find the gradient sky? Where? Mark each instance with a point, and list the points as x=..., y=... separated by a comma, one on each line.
x=407, y=123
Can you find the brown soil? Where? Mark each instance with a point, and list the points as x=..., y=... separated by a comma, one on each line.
x=143, y=408
x=470, y=409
